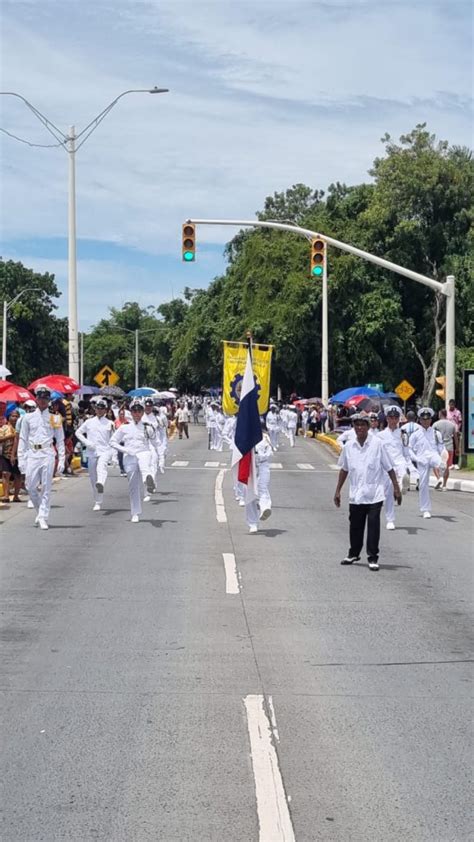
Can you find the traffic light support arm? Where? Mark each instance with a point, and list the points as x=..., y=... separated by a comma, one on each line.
x=447, y=288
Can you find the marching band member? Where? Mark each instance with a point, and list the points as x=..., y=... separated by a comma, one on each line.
x=395, y=443
x=426, y=447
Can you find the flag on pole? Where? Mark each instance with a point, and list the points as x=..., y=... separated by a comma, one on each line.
x=248, y=433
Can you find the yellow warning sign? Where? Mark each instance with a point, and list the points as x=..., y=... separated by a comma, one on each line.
x=404, y=390
x=107, y=376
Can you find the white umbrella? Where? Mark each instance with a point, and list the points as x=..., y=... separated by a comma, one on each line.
x=167, y=395
x=4, y=371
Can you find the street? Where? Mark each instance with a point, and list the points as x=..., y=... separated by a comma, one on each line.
x=141, y=663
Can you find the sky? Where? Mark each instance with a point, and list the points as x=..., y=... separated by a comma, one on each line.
x=262, y=95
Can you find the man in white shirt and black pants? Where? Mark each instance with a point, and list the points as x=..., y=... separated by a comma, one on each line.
x=365, y=462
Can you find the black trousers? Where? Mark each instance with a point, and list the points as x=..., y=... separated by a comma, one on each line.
x=358, y=515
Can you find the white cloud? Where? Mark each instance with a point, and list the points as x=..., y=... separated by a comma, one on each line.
x=263, y=95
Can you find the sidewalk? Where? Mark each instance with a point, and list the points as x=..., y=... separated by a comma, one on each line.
x=458, y=480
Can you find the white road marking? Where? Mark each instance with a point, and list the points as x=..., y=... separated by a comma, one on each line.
x=272, y=807
x=211, y=464
x=179, y=464
x=219, y=498
x=334, y=467
x=275, y=466
x=273, y=720
x=231, y=575
x=305, y=466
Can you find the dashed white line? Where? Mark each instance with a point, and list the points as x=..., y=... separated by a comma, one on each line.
x=272, y=807
x=231, y=575
x=211, y=464
x=179, y=464
x=305, y=466
x=219, y=498
x=276, y=466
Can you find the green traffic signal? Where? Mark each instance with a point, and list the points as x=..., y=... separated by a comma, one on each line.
x=317, y=270
x=188, y=255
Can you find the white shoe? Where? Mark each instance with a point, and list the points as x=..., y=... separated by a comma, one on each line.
x=444, y=488
x=96, y=507
x=162, y=469
x=30, y=504
x=390, y=524
x=426, y=515
x=253, y=528
x=456, y=467
x=241, y=502
x=43, y=524
x=265, y=514
x=147, y=499
x=135, y=519
x=37, y=520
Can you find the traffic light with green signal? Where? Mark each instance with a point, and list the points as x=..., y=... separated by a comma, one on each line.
x=441, y=393
x=189, y=242
x=318, y=257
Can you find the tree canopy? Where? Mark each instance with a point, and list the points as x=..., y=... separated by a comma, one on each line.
x=416, y=211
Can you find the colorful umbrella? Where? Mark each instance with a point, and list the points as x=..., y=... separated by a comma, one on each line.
x=343, y=396
x=58, y=383
x=144, y=392
x=12, y=392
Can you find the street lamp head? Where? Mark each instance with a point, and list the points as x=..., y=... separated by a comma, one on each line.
x=156, y=90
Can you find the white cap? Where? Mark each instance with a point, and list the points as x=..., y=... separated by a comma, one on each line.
x=425, y=412
x=29, y=402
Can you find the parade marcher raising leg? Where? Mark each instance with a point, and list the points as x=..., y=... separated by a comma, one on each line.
x=95, y=435
x=426, y=447
x=136, y=441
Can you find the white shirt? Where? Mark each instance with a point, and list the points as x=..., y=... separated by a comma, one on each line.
x=40, y=428
x=95, y=434
x=150, y=418
x=272, y=420
x=292, y=420
x=367, y=466
x=425, y=443
x=134, y=438
x=397, y=451
x=263, y=450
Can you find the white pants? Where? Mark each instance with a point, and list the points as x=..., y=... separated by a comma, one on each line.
x=273, y=434
x=291, y=435
x=135, y=484
x=424, y=469
x=264, y=501
x=97, y=466
x=145, y=464
x=162, y=448
x=400, y=471
x=40, y=469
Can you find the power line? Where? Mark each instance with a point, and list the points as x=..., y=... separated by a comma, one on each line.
x=28, y=143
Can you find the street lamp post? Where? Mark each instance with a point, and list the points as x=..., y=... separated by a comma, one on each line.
x=69, y=143
x=6, y=307
x=136, y=332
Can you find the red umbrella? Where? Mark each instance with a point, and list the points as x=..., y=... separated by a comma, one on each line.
x=361, y=402
x=11, y=392
x=57, y=383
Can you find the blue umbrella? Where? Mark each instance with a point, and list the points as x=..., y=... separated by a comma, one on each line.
x=344, y=396
x=143, y=392
x=89, y=390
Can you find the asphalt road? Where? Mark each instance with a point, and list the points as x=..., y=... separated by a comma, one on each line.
x=143, y=699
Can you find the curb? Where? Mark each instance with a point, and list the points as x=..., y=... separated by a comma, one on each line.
x=328, y=440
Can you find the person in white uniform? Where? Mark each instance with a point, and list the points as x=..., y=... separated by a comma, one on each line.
x=136, y=441
x=426, y=447
x=95, y=435
x=219, y=429
x=304, y=421
x=395, y=443
x=273, y=426
x=161, y=436
x=261, y=509
x=291, y=424
x=407, y=429
x=36, y=454
x=365, y=461
x=229, y=430
x=150, y=418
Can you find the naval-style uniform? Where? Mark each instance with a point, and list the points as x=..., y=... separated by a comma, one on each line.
x=95, y=435
x=36, y=457
x=261, y=508
x=136, y=440
x=426, y=446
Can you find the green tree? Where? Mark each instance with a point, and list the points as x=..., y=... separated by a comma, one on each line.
x=37, y=339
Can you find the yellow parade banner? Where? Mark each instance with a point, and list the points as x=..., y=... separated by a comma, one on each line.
x=235, y=357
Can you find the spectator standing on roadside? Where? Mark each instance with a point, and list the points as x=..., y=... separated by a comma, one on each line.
x=450, y=435
x=455, y=416
x=182, y=419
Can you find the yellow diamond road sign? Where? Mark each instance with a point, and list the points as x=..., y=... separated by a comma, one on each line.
x=107, y=376
x=404, y=390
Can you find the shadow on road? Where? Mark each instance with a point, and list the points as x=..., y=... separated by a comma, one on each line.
x=158, y=523
x=271, y=533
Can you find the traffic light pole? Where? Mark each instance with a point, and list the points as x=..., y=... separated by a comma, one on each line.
x=447, y=289
x=324, y=338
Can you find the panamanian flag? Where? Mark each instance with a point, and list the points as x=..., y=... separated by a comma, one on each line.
x=248, y=433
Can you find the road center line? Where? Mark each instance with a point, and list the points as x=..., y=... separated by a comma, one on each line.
x=272, y=807
x=219, y=498
x=231, y=577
